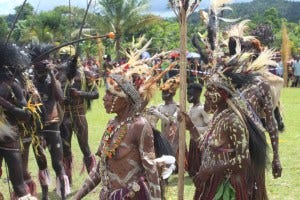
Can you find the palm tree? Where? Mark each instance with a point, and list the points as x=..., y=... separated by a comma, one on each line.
x=122, y=16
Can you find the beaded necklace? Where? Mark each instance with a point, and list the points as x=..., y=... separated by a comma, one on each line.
x=109, y=145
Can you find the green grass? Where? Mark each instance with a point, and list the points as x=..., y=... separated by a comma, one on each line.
x=287, y=187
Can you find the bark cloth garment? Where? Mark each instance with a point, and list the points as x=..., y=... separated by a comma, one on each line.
x=227, y=156
x=130, y=173
x=132, y=163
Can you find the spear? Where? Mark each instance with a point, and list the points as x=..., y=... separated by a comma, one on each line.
x=110, y=35
x=82, y=24
x=15, y=21
x=182, y=9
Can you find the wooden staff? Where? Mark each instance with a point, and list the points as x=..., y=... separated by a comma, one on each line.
x=285, y=53
x=182, y=9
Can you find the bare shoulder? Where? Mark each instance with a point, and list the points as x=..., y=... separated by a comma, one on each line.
x=140, y=122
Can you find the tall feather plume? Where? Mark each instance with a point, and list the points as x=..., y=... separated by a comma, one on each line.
x=238, y=30
x=136, y=66
x=217, y=5
x=149, y=86
x=262, y=62
x=135, y=54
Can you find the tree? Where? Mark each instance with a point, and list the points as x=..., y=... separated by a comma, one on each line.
x=3, y=28
x=122, y=16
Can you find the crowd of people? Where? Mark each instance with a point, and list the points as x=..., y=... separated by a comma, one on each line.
x=293, y=70
x=44, y=101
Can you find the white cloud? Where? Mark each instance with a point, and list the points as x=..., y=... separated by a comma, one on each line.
x=158, y=7
x=7, y=6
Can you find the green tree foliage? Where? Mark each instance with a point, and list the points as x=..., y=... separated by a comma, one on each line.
x=286, y=9
x=123, y=17
x=3, y=28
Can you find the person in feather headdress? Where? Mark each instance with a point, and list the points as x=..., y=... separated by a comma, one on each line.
x=128, y=168
x=263, y=96
x=13, y=111
x=234, y=142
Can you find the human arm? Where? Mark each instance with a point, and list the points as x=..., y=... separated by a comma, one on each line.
x=16, y=109
x=92, y=94
x=233, y=153
x=55, y=85
x=166, y=119
x=90, y=183
x=198, y=125
x=271, y=127
x=89, y=90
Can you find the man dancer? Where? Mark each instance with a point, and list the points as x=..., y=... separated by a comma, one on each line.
x=79, y=89
x=13, y=111
x=51, y=95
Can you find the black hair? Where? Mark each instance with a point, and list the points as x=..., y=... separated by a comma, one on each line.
x=13, y=61
x=195, y=86
x=36, y=50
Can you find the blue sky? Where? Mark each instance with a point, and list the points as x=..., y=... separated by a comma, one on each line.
x=158, y=7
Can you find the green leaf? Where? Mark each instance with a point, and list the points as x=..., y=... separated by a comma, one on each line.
x=219, y=193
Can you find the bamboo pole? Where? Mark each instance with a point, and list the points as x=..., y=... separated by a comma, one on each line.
x=285, y=53
x=182, y=95
x=182, y=9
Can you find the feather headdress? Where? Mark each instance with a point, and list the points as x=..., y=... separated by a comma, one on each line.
x=135, y=79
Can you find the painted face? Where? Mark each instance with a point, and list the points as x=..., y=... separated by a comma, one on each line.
x=113, y=103
x=166, y=95
x=40, y=70
x=192, y=95
x=212, y=99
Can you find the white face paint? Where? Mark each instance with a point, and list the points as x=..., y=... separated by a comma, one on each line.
x=212, y=98
x=115, y=98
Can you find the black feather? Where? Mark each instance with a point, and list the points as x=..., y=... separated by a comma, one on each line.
x=258, y=146
x=196, y=43
x=161, y=144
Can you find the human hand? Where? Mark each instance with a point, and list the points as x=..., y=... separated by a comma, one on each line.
x=188, y=122
x=74, y=92
x=153, y=111
x=276, y=168
x=5, y=104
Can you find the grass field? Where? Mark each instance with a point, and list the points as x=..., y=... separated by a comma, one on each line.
x=287, y=187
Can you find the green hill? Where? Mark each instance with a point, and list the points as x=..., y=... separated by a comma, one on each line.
x=286, y=9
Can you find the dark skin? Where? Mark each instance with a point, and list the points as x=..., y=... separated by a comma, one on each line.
x=51, y=95
x=193, y=97
x=6, y=100
x=216, y=104
x=120, y=162
x=77, y=92
x=12, y=101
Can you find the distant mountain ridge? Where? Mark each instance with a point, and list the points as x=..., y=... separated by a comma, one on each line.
x=247, y=10
x=286, y=9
